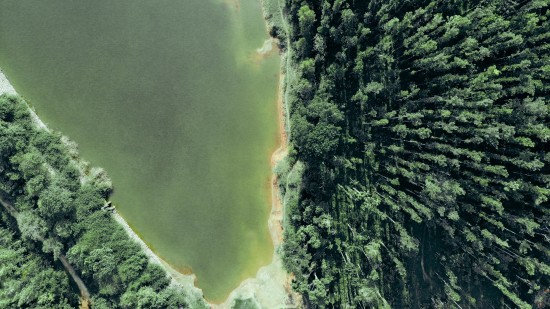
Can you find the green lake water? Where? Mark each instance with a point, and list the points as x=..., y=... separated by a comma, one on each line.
x=171, y=99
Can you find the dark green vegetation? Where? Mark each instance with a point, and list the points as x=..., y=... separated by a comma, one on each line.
x=56, y=213
x=28, y=278
x=418, y=175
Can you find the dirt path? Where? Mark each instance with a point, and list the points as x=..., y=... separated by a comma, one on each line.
x=285, y=81
x=84, y=293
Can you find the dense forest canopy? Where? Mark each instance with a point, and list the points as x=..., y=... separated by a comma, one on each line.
x=418, y=175
x=52, y=215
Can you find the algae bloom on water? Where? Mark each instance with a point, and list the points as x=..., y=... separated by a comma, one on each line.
x=171, y=99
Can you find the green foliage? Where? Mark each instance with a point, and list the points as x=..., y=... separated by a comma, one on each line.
x=422, y=130
x=306, y=18
x=27, y=279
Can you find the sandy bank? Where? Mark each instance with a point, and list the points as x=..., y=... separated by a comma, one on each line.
x=271, y=286
x=5, y=85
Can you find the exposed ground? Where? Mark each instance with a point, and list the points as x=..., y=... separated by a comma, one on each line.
x=5, y=86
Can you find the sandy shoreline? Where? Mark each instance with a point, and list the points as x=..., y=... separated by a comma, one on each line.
x=271, y=286
x=187, y=282
x=5, y=85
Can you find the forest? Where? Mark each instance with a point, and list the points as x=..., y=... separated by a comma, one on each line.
x=418, y=173
x=53, y=219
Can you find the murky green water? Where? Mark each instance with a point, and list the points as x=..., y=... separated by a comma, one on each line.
x=171, y=99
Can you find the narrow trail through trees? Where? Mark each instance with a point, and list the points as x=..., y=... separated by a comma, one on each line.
x=286, y=75
x=84, y=293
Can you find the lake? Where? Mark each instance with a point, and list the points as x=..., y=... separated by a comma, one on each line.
x=171, y=98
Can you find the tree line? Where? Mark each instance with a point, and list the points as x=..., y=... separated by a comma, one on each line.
x=418, y=173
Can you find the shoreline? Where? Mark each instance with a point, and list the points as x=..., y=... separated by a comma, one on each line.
x=7, y=87
x=187, y=282
x=271, y=287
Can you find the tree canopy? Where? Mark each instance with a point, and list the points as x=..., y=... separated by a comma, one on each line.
x=422, y=128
